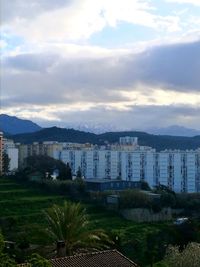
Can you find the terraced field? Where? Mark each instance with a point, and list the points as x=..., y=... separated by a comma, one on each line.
x=21, y=210
x=22, y=215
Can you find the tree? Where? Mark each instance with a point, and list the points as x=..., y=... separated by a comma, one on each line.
x=79, y=173
x=145, y=186
x=5, y=261
x=68, y=172
x=132, y=198
x=185, y=233
x=45, y=164
x=68, y=225
x=37, y=261
x=6, y=162
x=189, y=257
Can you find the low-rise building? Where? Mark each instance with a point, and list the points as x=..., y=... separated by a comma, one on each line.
x=102, y=185
x=107, y=258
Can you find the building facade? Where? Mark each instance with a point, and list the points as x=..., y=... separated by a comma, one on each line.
x=13, y=154
x=47, y=148
x=178, y=170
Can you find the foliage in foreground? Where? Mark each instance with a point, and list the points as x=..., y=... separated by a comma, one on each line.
x=37, y=261
x=190, y=256
x=69, y=223
x=5, y=260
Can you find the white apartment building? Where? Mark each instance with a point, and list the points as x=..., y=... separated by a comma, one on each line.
x=12, y=152
x=128, y=140
x=178, y=170
x=13, y=156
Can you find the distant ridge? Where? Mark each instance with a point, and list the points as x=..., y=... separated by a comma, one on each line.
x=14, y=125
x=70, y=135
x=174, y=130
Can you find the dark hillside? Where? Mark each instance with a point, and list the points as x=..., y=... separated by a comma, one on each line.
x=14, y=125
x=160, y=142
x=56, y=134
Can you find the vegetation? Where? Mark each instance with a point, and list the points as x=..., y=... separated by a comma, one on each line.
x=134, y=199
x=46, y=165
x=190, y=256
x=6, y=162
x=37, y=261
x=5, y=260
x=69, y=223
x=79, y=173
x=22, y=221
x=68, y=174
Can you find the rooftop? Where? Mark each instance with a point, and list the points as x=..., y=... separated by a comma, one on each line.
x=107, y=258
x=95, y=180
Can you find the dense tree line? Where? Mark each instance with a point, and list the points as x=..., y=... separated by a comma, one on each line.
x=46, y=166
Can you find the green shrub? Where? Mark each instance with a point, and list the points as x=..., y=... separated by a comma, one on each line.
x=134, y=199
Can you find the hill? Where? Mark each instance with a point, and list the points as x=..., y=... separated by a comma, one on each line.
x=174, y=130
x=14, y=125
x=160, y=142
x=56, y=134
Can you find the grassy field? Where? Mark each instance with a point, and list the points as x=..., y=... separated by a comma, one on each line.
x=22, y=214
x=21, y=210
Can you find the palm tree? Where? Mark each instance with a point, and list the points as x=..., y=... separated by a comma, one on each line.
x=68, y=225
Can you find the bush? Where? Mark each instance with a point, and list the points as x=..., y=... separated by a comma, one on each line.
x=37, y=261
x=189, y=257
x=134, y=199
x=168, y=200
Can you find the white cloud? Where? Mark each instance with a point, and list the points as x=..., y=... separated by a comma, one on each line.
x=193, y=2
x=3, y=44
x=80, y=19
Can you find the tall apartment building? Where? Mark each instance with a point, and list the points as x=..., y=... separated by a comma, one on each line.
x=1, y=153
x=47, y=148
x=12, y=151
x=178, y=170
x=128, y=140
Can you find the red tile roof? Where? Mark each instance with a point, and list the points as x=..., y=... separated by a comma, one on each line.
x=108, y=258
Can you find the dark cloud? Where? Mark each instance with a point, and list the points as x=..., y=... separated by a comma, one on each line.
x=31, y=62
x=176, y=66
x=46, y=79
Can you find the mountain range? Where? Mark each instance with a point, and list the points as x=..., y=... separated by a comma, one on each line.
x=160, y=142
x=13, y=125
x=25, y=131
x=174, y=130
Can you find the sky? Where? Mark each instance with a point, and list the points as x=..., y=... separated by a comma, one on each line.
x=123, y=64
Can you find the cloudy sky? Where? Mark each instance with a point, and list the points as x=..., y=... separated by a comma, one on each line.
x=129, y=64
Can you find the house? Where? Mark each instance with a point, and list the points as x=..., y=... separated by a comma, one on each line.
x=107, y=258
x=101, y=185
